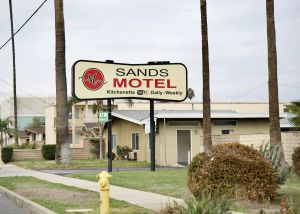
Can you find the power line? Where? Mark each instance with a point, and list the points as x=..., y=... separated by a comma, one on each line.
x=240, y=95
x=24, y=92
x=6, y=95
x=288, y=85
x=24, y=23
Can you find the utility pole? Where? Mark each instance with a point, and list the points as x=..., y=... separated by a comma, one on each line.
x=14, y=74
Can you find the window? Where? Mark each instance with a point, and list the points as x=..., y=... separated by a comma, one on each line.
x=77, y=138
x=33, y=136
x=76, y=113
x=135, y=141
x=44, y=137
x=227, y=131
x=225, y=122
x=114, y=141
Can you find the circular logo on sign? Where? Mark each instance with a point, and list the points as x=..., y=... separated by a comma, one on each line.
x=93, y=79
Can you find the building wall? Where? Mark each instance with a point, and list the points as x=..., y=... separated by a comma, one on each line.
x=50, y=130
x=242, y=107
x=124, y=129
x=36, y=154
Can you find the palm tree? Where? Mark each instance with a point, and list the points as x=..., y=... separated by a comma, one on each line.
x=191, y=94
x=294, y=109
x=4, y=130
x=14, y=74
x=207, y=142
x=275, y=135
x=62, y=128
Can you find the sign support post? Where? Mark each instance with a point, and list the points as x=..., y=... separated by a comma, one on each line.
x=152, y=135
x=109, y=130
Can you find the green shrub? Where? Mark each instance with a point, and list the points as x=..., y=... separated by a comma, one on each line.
x=296, y=160
x=123, y=152
x=113, y=155
x=7, y=154
x=205, y=204
x=26, y=145
x=272, y=154
x=235, y=170
x=48, y=151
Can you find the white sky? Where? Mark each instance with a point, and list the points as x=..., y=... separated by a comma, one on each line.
x=138, y=31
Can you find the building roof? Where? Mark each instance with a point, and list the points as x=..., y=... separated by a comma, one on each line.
x=40, y=130
x=141, y=116
x=23, y=134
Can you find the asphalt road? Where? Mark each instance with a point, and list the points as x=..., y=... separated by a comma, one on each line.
x=7, y=206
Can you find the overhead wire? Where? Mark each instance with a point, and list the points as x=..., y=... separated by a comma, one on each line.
x=24, y=23
x=25, y=92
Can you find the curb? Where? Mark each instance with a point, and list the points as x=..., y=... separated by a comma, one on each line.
x=33, y=207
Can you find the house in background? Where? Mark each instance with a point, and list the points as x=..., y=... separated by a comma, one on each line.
x=29, y=109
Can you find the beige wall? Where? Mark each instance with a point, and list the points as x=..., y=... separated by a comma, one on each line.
x=252, y=131
x=246, y=107
x=123, y=131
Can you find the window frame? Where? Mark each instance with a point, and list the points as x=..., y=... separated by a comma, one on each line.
x=135, y=141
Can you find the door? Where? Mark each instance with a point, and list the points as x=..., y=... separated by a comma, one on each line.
x=183, y=146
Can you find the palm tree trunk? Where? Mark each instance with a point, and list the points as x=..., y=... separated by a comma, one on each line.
x=275, y=135
x=62, y=128
x=16, y=137
x=207, y=142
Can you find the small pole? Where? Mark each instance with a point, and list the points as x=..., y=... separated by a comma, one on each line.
x=109, y=129
x=152, y=135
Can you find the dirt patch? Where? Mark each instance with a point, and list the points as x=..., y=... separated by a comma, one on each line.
x=36, y=191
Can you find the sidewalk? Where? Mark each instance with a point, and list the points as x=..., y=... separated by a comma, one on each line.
x=147, y=200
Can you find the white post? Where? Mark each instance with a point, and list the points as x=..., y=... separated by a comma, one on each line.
x=73, y=124
x=165, y=140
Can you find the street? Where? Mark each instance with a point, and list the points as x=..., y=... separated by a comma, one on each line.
x=7, y=206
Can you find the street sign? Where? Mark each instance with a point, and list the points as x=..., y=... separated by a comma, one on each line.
x=103, y=117
x=108, y=80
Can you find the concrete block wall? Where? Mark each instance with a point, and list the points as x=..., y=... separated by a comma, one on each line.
x=36, y=154
x=290, y=140
x=27, y=154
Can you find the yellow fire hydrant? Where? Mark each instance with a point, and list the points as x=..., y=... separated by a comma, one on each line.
x=103, y=179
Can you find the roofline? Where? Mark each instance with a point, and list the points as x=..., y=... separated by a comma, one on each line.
x=127, y=118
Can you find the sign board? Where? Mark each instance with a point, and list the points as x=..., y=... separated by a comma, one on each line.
x=106, y=80
x=103, y=116
x=147, y=126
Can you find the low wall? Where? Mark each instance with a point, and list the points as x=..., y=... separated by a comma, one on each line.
x=36, y=154
x=290, y=140
x=23, y=154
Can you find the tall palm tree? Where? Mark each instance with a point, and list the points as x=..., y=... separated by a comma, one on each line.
x=275, y=135
x=207, y=142
x=14, y=74
x=62, y=128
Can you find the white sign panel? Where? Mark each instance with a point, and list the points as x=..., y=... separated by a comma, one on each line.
x=103, y=80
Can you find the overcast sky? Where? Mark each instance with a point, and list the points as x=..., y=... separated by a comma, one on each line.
x=138, y=31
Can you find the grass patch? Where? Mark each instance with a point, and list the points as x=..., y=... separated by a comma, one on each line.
x=58, y=197
x=167, y=182
x=78, y=164
x=173, y=183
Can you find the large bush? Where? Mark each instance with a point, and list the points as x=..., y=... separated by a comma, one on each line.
x=272, y=154
x=48, y=152
x=296, y=160
x=234, y=169
x=6, y=154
